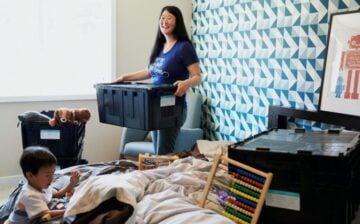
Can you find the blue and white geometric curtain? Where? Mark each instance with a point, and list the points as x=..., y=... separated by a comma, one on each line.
x=256, y=53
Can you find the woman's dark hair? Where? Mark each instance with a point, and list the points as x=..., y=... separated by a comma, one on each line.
x=35, y=157
x=179, y=32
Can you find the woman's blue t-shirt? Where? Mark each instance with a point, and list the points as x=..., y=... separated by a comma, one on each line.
x=172, y=66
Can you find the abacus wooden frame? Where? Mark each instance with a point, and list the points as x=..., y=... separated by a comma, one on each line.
x=221, y=158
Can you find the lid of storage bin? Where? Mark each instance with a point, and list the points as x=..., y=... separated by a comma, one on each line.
x=136, y=85
x=312, y=143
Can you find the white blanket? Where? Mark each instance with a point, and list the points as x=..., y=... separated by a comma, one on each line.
x=163, y=195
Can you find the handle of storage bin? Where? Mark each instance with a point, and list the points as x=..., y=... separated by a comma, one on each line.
x=108, y=99
x=130, y=103
x=107, y=102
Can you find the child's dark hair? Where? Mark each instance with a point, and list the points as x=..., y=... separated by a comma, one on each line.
x=35, y=157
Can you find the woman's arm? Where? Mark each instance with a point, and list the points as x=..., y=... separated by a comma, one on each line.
x=134, y=76
x=193, y=80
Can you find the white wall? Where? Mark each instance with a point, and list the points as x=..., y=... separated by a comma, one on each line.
x=137, y=22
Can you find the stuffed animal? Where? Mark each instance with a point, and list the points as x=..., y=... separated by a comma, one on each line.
x=72, y=116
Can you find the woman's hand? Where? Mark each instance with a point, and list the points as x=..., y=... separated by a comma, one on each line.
x=193, y=80
x=135, y=76
x=182, y=87
x=118, y=80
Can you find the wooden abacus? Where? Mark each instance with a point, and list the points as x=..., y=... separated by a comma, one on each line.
x=241, y=196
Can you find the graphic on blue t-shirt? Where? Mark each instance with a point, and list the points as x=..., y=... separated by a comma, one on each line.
x=157, y=68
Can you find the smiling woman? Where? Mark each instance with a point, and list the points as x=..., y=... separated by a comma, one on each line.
x=55, y=50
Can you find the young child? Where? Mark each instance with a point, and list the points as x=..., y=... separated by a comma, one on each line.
x=38, y=166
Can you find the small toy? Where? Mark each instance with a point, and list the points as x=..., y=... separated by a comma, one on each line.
x=46, y=217
x=147, y=161
x=73, y=116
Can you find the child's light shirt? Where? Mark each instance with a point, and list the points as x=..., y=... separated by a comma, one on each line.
x=34, y=202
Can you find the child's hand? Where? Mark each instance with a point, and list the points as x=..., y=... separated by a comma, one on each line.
x=74, y=177
x=69, y=189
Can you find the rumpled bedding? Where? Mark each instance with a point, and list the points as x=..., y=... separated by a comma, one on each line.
x=116, y=192
x=164, y=195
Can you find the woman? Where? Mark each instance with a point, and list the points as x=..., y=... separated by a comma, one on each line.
x=173, y=60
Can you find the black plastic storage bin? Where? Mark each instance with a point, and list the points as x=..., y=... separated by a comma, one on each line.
x=141, y=106
x=64, y=141
x=313, y=178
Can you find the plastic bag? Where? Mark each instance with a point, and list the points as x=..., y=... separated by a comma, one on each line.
x=8, y=206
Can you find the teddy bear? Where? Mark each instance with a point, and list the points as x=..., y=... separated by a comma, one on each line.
x=73, y=116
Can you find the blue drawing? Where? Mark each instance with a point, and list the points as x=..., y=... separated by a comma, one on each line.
x=339, y=88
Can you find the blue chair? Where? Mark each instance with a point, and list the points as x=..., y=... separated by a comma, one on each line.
x=134, y=141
